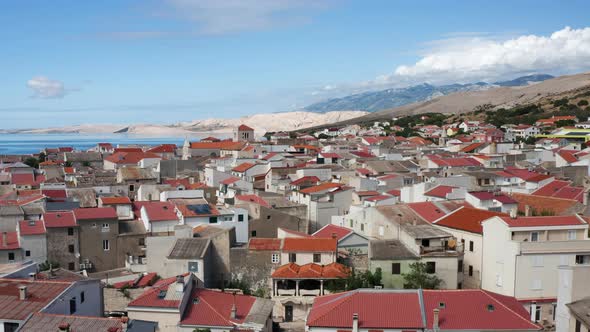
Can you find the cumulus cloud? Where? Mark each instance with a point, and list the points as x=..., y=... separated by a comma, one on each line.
x=228, y=16
x=484, y=58
x=44, y=87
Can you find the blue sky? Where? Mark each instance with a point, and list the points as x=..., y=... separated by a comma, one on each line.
x=74, y=62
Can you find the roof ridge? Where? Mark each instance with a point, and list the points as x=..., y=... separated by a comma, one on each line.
x=217, y=312
x=448, y=214
x=506, y=307
x=346, y=297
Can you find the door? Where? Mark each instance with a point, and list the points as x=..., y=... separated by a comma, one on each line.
x=288, y=313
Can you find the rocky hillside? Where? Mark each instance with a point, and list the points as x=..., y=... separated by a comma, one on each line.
x=495, y=98
x=373, y=101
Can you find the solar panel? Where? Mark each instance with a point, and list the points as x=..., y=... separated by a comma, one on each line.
x=200, y=208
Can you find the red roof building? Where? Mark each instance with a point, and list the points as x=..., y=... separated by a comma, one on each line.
x=311, y=271
x=31, y=227
x=467, y=219
x=377, y=310
x=332, y=231
x=122, y=200
x=440, y=191
x=59, y=219
x=264, y=244
x=95, y=213
x=309, y=245
x=39, y=295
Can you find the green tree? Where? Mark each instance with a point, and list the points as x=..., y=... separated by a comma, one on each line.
x=583, y=102
x=32, y=161
x=418, y=277
x=42, y=157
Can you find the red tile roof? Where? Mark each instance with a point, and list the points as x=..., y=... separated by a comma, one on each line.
x=403, y=310
x=456, y=162
x=440, y=191
x=332, y=231
x=95, y=213
x=561, y=189
x=544, y=203
x=253, y=199
x=221, y=145
x=243, y=127
x=292, y=244
x=321, y=188
x=158, y=211
x=115, y=200
x=11, y=241
x=311, y=271
x=330, y=155
x=544, y=221
x=130, y=157
x=230, y=180
x=301, y=180
x=164, y=148
x=487, y=195
x=32, y=227
x=568, y=155
x=214, y=308
x=39, y=294
x=264, y=244
x=150, y=297
x=520, y=173
x=378, y=198
x=538, y=178
x=367, y=193
x=381, y=310
x=468, y=310
x=243, y=167
x=59, y=219
x=427, y=210
x=129, y=149
x=472, y=147
x=69, y=170
x=59, y=194
x=52, y=322
x=467, y=219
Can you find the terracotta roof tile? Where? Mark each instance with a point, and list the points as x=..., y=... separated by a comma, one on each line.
x=59, y=219
x=467, y=219
x=309, y=245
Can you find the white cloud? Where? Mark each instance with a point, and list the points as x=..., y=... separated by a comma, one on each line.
x=484, y=58
x=46, y=88
x=229, y=16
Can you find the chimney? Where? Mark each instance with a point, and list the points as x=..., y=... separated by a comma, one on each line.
x=4, y=235
x=435, y=320
x=355, y=322
x=179, y=284
x=22, y=292
x=33, y=276
x=527, y=210
x=513, y=214
x=334, y=236
x=234, y=311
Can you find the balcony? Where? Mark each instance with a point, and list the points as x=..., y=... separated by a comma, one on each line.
x=541, y=247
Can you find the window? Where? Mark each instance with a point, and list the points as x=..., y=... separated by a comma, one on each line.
x=82, y=297
x=536, y=284
x=71, y=248
x=292, y=257
x=72, y=305
x=71, y=266
x=571, y=234
x=535, y=312
x=582, y=259
x=426, y=242
x=460, y=266
x=253, y=234
x=578, y=326
x=93, y=225
x=10, y=327
x=537, y=261
x=362, y=227
x=351, y=223
x=396, y=268
x=317, y=258
x=268, y=217
x=70, y=231
x=213, y=220
x=430, y=267
x=106, y=246
x=534, y=236
x=27, y=253
x=10, y=256
x=381, y=231
x=240, y=217
x=498, y=280
x=471, y=246
x=275, y=258
x=105, y=227
x=470, y=271
x=131, y=187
